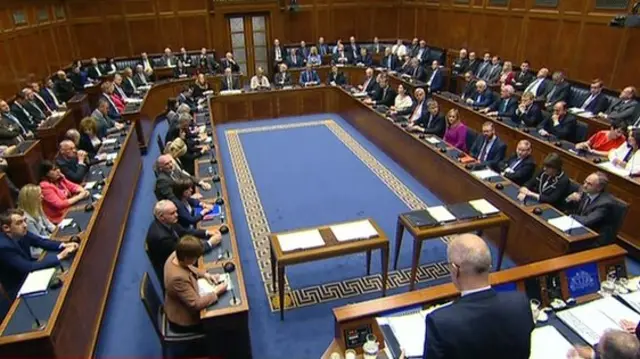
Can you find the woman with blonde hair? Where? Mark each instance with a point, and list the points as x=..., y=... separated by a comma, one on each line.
x=89, y=140
x=178, y=150
x=30, y=201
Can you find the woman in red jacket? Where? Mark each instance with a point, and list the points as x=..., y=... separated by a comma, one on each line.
x=58, y=193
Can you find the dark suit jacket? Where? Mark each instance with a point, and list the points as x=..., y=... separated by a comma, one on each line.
x=559, y=92
x=566, y=129
x=367, y=60
x=305, y=78
x=418, y=73
x=299, y=60
x=188, y=218
x=597, y=215
x=86, y=145
x=621, y=110
x=282, y=79
x=9, y=132
x=485, y=324
x=347, y=55
x=460, y=66
x=128, y=86
x=438, y=80
x=113, y=110
x=382, y=97
x=552, y=190
x=473, y=66
x=92, y=72
x=64, y=90
x=338, y=78
x=522, y=171
x=521, y=80
x=49, y=99
x=226, y=63
x=384, y=62
x=483, y=68
x=469, y=89
x=184, y=58
x=532, y=117
x=437, y=126
x=235, y=83
x=483, y=99
x=496, y=153
x=597, y=105
x=162, y=240
x=16, y=261
x=27, y=121
x=72, y=169
x=543, y=88
x=425, y=55
x=283, y=55
x=509, y=110
x=372, y=86
x=138, y=79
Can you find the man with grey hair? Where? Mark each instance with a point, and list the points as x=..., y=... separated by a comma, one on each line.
x=483, y=96
x=506, y=106
x=558, y=92
x=165, y=232
x=482, y=323
x=167, y=173
x=74, y=164
x=613, y=344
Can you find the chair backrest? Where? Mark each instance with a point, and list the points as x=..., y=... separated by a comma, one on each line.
x=581, y=131
x=160, y=144
x=152, y=303
x=577, y=95
x=619, y=210
x=471, y=138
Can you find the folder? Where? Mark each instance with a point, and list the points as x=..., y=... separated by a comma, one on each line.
x=420, y=218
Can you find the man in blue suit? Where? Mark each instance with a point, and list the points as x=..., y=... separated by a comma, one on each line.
x=596, y=101
x=483, y=97
x=506, y=106
x=482, y=323
x=309, y=76
x=435, y=80
x=488, y=149
x=15, y=256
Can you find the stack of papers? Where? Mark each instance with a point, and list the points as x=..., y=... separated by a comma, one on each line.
x=89, y=185
x=614, y=169
x=410, y=332
x=133, y=100
x=354, y=230
x=300, y=240
x=441, y=214
x=548, y=343
x=360, y=94
x=483, y=206
x=632, y=299
x=565, y=223
x=109, y=141
x=37, y=282
x=484, y=174
x=57, y=113
x=65, y=222
x=204, y=287
x=432, y=140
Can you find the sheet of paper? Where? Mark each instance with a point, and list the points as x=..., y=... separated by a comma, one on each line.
x=548, y=343
x=88, y=85
x=565, y=223
x=409, y=330
x=57, y=113
x=433, y=140
x=483, y=206
x=230, y=92
x=89, y=185
x=354, y=230
x=360, y=94
x=65, y=222
x=633, y=299
x=614, y=169
x=208, y=92
x=485, y=173
x=576, y=110
x=300, y=240
x=133, y=100
x=36, y=282
x=441, y=214
x=204, y=287
x=97, y=196
x=109, y=141
x=112, y=156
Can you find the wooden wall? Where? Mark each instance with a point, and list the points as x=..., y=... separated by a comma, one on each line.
x=574, y=37
x=34, y=49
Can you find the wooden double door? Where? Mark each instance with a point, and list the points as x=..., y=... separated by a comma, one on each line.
x=249, y=41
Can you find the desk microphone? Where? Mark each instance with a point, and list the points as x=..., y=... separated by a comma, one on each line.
x=37, y=324
x=77, y=227
x=102, y=181
x=234, y=301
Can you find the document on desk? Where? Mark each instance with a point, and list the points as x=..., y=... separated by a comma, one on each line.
x=109, y=141
x=204, y=287
x=300, y=240
x=37, y=282
x=409, y=331
x=112, y=156
x=483, y=206
x=441, y=214
x=632, y=300
x=354, y=230
x=548, y=343
x=432, y=140
x=65, y=222
x=89, y=185
x=592, y=319
x=360, y=94
x=484, y=174
x=565, y=223
x=614, y=169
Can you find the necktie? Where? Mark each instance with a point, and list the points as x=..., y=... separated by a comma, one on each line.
x=484, y=150
x=585, y=204
x=587, y=101
x=15, y=120
x=504, y=105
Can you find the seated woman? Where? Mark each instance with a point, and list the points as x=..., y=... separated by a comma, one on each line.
x=550, y=185
x=627, y=155
x=456, y=132
x=89, y=141
x=605, y=141
x=183, y=189
x=507, y=75
x=58, y=193
x=182, y=299
x=30, y=202
x=109, y=90
x=402, y=104
x=200, y=87
x=314, y=58
x=182, y=157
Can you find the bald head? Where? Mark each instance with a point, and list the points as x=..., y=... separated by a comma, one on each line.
x=619, y=345
x=68, y=149
x=470, y=259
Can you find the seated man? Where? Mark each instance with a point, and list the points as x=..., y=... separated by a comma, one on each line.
x=488, y=149
x=309, y=76
x=419, y=107
x=523, y=78
x=602, y=142
x=336, y=77
x=612, y=344
x=105, y=125
x=383, y=95
x=470, y=86
x=528, y=112
x=11, y=129
x=430, y=123
x=141, y=78
x=94, y=70
x=282, y=78
x=389, y=61
x=15, y=256
x=550, y=185
x=506, y=106
x=596, y=102
x=165, y=231
x=128, y=84
x=370, y=85
x=482, y=323
x=166, y=173
x=561, y=124
x=294, y=58
x=593, y=207
x=540, y=85
x=74, y=164
x=63, y=87
x=558, y=92
x=435, y=79
x=519, y=167
x=623, y=108
x=416, y=70
x=259, y=80
x=483, y=97
x=19, y=110
x=229, y=62
x=230, y=82
x=341, y=57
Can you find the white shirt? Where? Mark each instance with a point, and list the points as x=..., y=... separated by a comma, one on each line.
x=257, y=82
x=416, y=113
x=399, y=50
x=633, y=164
x=403, y=102
x=533, y=87
x=467, y=292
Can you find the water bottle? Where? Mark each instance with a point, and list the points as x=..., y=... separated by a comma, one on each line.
x=370, y=347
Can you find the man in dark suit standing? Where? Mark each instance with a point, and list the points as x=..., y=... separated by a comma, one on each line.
x=353, y=48
x=431, y=122
x=523, y=78
x=518, y=168
x=482, y=323
x=596, y=102
x=488, y=149
x=528, y=112
x=435, y=79
x=389, y=61
x=558, y=92
x=413, y=49
x=506, y=106
x=623, y=108
x=376, y=46
x=230, y=82
x=560, y=124
x=278, y=54
x=594, y=207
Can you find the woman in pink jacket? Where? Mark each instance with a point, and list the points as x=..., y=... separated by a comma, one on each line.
x=58, y=193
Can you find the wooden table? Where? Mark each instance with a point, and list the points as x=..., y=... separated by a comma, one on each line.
x=464, y=226
x=53, y=131
x=332, y=248
x=6, y=197
x=24, y=163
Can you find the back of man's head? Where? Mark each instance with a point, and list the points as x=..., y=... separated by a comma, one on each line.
x=616, y=344
x=471, y=259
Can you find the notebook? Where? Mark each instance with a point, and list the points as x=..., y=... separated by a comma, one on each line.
x=420, y=218
x=464, y=211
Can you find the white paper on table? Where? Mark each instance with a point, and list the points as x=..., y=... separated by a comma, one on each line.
x=202, y=128
x=483, y=206
x=614, y=169
x=36, y=282
x=208, y=92
x=410, y=332
x=632, y=299
x=360, y=94
x=133, y=100
x=230, y=92
x=548, y=343
x=485, y=173
x=432, y=140
x=208, y=140
x=441, y=214
x=65, y=222
x=204, y=287
x=354, y=230
x=300, y=240
x=565, y=223
x=587, y=114
x=109, y=141
x=112, y=156
x=576, y=110
x=57, y=113
x=144, y=87
x=226, y=278
x=289, y=87
x=89, y=185
x=97, y=196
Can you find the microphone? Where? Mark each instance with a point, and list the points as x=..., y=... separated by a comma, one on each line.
x=38, y=325
x=77, y=227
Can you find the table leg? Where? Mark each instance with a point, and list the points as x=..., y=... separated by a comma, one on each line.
x=368, y=262
x=504, y=231
x=399, y=232
x=415, y=261
x=281, y=290
x=273, y=268
x=384, y=262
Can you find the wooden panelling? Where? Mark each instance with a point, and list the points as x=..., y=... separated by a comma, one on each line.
x=85, y=33
x=541, y=34
x=407, y=23
x=384, y=21
x=186, y=5
x=170, y=32
x=297, y=27
x=628, y=65
x=142, y=38
x=564, y=51
x=343, y=24
x=596, y=62
x=193, y=29
x=138, y=7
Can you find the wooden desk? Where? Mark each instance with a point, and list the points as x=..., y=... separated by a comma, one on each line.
x=73, y=312
x=93, y=93
x=465, y=226
x=53, y=131
x=24, y=163
x=6, y=197
x=361, y=316
x=79, y=105
x=576, y=167
x=332, y=248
